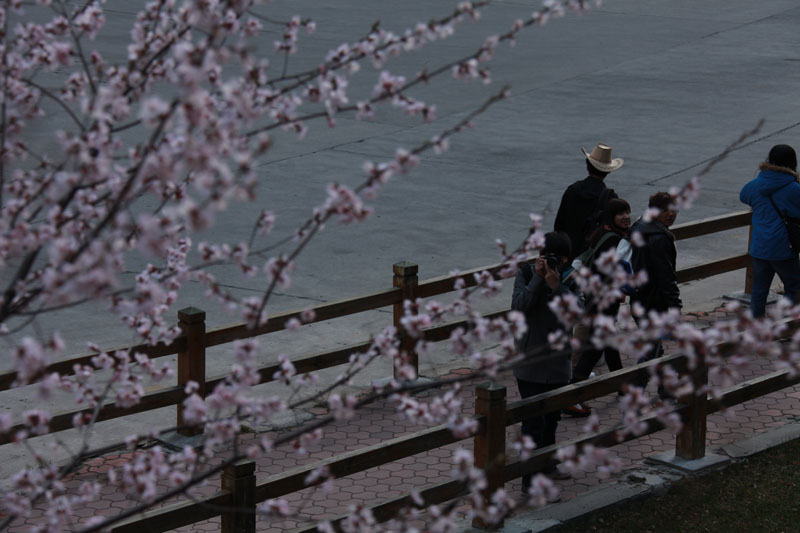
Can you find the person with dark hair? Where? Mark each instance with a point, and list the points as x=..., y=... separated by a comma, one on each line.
x=774, y=192
x=543, y=368
x=615, y=229
x=658, y=258
x=582, y=204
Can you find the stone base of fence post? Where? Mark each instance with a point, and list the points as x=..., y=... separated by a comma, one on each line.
x=239, y=479
x=490, y=444
x=707, y=463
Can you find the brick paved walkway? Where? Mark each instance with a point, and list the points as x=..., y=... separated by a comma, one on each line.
x=379, y=422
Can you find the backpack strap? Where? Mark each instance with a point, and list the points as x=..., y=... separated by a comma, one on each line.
x=587, y=257
x=607, y=235
x=776, y=207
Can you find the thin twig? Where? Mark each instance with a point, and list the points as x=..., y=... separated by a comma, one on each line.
x=57, y=100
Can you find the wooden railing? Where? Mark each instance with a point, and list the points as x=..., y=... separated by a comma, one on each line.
x=191, y=345
x=493, y=416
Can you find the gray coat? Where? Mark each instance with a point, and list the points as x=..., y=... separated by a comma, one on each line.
x=532, y=300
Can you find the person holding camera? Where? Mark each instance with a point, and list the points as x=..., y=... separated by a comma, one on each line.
x=542, y=368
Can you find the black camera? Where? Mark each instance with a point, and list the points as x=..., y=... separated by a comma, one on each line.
x=552, y=261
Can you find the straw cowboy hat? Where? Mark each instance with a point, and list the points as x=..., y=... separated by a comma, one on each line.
x=600, y=158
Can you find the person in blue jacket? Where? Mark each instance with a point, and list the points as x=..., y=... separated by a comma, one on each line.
x=769, y=248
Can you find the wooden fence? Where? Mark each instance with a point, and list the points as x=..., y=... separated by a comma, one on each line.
x=240, y=487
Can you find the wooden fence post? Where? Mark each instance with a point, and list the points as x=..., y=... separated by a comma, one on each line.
x=748, y=273
x=192, y=362
x=405, y=278
x=691, y=440
x=240, y=480
x=490, y=445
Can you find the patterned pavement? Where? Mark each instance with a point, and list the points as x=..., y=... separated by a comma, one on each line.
x=379, y=422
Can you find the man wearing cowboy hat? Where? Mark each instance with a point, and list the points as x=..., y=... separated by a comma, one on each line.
x=583, y=202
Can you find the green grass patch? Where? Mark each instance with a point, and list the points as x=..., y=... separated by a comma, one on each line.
x=760, y=494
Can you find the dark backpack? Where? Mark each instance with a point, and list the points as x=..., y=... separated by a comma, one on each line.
x=587, y=257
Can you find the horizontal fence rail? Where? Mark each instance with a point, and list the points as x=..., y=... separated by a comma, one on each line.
x=322, y=312
x=176, y=515
x=713, y=268
x=227, y=334
x=360, y=460
x=66, y=367
x=707, y=226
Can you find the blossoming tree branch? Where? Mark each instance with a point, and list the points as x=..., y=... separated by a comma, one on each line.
x=157, y=146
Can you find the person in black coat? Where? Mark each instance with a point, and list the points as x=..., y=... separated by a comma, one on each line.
x=583, y=202
x=658, y=258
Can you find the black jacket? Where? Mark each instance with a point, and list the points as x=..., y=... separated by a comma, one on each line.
x=658, y=257
x=576, y=212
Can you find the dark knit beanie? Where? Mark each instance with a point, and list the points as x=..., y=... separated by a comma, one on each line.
x=557, y=242
x=783, y=155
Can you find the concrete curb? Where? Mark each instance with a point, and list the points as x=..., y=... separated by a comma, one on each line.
x=655, y=477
